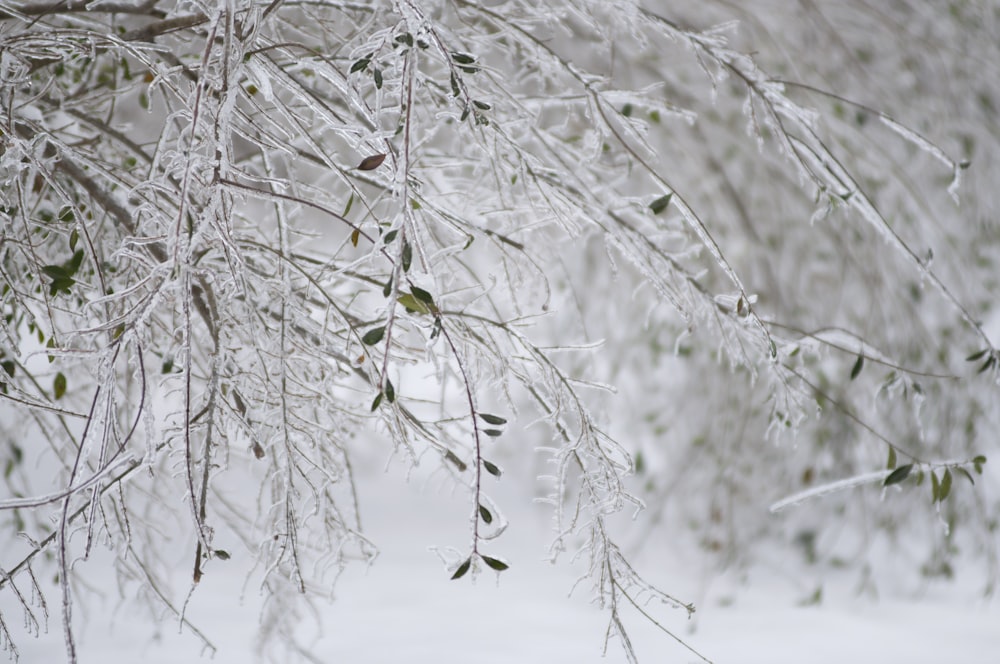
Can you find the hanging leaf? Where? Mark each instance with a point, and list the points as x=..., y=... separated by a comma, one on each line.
x=453, y=458
x=935, y=487
x=347, y=208
x=407, y=256
x=422, y=295
x=978, y=462
x=858, y=365
x=976, y=356
x=898, y=475
x=462, y=58
x=221, y=554
x=966, y=474
x=493, y=433
x=660, y=204
x=377, y=401
x=493, y=563
x=492, y=419
x=355, y=236
x=59, y=385
x=491, y=468
x=945, y=485
x=371, y=163
x=891, y=463
x=373, y=336
x=390, y=236
x=377, y=74
x=412, y=304
x=390, y=391
x=462, y=569
x=360, y=65
x=485, y=514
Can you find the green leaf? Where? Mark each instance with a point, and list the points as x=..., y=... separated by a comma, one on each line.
x=452, y=457
x=627, y=110
x=347, y=208
x=462, y=569
x=978, y=462
x=407, y=256
x=481, y=105
x=377, y=401
x=492, y=419
x=493, y=433
x=56, y=272
x=377, y=74
x=59, y=385
x=168, y=365
x=422, y=295
x=9, y=366
x=976, y=356
x=74, y=263
x=360, y=65
x=390, y=236
x=405, y=38
x=493, y=563
x=891, y=463
x=221, y=554
x=462, y=58
x=898, y=475
x=935, y=488
x=965, y=474
x=660, y=204
x=858, y=365
x=390, y=391
x=491, y=468
x=455, y=91
x=485, y=514
x=990, y=361
x=373, y=336
x=74, y=237
x=945, y=485
x=412, y=304
x=387, y=289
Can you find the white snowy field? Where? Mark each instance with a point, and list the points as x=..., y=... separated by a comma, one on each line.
x=404, y=607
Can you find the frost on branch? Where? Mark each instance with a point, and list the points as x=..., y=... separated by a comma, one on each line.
x=249, y=248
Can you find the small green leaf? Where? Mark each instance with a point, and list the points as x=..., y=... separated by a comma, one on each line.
x=660, y=204
x=390, y=236
x=935, y=488
x=858, y=365
x=373, y=336
x=462, y=58
x=360, y=65
x=891, y=463
x=898, y=475
x=492, y=419
x=405, y=38
x=422, y=295
x=627, y=110
x=347, y=208
x=407, y=256
x=965, y=474
x=493, y=433
x=390, y=391
x=976, y=356
x=9, y=366
x=491, y=468
x=945, y=485
x=168, y=365
x=387, y=289
x=59, y=385
x=493, y=563
x=455, y=91
x=74, y=237
x=990, y=361
x=56, y=271
x=481, y=105
x=485, y=514
x=412, y=304
x=221, y=554
x=452, y=457
x=978, y=463
x=377, y=401
x=355, y=236
x=377, y=75
x=462, y=569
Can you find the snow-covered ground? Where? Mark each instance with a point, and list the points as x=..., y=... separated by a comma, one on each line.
x=404, y=608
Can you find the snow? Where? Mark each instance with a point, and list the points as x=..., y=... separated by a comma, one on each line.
x=405, y=608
